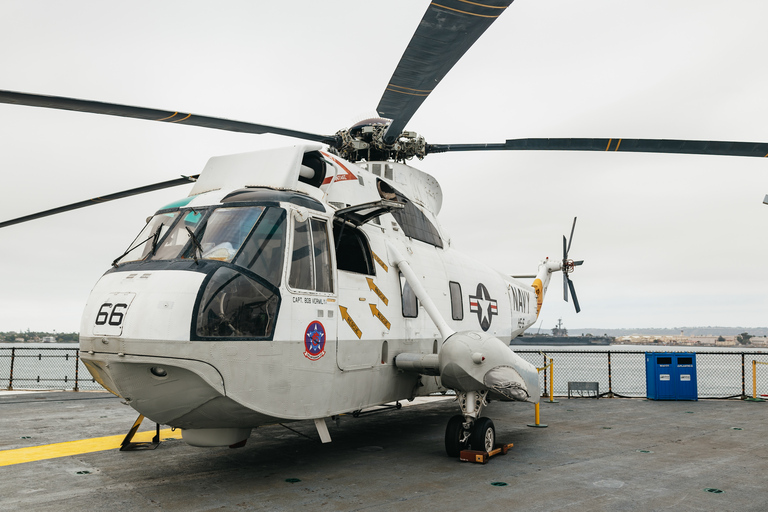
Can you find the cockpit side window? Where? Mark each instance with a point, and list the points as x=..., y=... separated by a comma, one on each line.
x=301, y=263
x=311, y=260
x=353, y=253
x=262, y=252
x=322, y=256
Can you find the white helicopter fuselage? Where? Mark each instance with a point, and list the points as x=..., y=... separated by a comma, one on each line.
x=176, y=339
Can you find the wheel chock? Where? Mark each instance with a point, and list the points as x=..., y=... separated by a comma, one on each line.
x=481, y=457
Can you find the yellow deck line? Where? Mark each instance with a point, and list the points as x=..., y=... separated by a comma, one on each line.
x=69, y=448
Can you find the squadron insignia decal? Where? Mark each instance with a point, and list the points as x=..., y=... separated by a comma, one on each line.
x=485, y=307
x=314, y=341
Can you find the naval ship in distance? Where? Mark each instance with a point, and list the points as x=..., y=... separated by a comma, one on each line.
x=559, y=337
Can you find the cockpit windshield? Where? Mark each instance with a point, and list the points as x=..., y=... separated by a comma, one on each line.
x=252, y=237
x=146, y=243
x=224, y=232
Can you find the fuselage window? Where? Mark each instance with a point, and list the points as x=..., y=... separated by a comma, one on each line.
x=410, y=302
x=457, y=306
x=413, y=221
x=311, y=261
x=353, y=253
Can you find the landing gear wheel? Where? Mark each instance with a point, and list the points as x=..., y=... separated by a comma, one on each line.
x=454, y=433
x=483, y=435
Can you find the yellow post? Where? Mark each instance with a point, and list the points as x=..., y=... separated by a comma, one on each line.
x=537, y=424
x=551, y=378
x=754, y=379
x=754, y=383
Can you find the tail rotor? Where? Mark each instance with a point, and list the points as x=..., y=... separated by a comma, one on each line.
x=569, y=266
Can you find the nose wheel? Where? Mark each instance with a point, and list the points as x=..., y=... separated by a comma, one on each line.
x=483, y=435
x=480, y=436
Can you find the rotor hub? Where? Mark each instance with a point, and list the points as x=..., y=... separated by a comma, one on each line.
x=365, y=141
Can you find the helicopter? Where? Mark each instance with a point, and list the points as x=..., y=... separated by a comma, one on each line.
x=385, y=226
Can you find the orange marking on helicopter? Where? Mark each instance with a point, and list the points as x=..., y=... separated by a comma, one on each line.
x=372, y=286
x=465, y=12
x=482, y=5
x=408, y=88
x=617, y=145
x=169, y=117
x=383, y=265
x=180, y=120
x=608, y=147
x=348, y=176
x=378, y=314
x=352, y=325
x=538, y=286
x=408, y=93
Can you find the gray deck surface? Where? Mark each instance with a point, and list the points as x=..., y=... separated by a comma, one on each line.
x=587, y=459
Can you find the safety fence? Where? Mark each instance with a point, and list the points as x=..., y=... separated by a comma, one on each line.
x=619, y=373
x=44, y=368
x=622, y=373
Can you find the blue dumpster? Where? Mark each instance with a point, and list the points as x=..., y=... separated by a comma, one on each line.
x=671, y=376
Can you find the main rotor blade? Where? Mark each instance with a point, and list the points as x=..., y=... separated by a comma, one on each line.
x=113, y=109
x=573, y=295
x=103, y=199
x=447, y=30
x=689, y=147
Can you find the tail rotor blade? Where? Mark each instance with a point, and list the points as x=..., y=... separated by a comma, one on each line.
x=565, y=286
x=565, y=248
x=573, y=294
x=570, y=239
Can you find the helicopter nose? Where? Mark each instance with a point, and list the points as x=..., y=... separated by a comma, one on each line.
x=133, y=336
x=153, y=306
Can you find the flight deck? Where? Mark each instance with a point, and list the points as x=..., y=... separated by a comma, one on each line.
x=607, y=454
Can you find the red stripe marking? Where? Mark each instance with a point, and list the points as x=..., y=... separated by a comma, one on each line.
x=349, y=175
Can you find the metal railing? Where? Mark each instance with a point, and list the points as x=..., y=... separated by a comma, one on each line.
x=622, y=372
x=618, y=373
x=44, y=368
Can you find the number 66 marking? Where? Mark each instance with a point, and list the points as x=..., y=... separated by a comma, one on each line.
x=115, y=317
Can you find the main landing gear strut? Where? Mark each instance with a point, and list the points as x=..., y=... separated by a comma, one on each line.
x=467, y=430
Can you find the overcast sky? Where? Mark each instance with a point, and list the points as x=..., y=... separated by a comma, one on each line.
x=668, y=240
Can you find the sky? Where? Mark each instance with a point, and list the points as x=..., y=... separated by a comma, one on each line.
x=668, y=240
